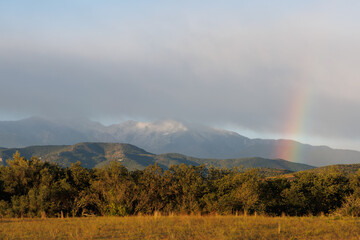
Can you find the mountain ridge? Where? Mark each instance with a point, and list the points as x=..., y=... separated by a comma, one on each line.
x=166, y=136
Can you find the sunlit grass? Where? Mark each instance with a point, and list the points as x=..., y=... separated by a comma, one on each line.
x=182, y=227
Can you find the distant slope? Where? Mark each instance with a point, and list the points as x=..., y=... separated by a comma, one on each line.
x=35, y=131
x=305, y=153
x=172, y=136
x=98, y=154
x=167, y=136
x=89, y=154
x=253, y=162
x=347, y=169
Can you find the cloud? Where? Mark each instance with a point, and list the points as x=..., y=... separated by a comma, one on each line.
x=214, y=66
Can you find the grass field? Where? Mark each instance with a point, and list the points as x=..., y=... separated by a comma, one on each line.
x=182, y=227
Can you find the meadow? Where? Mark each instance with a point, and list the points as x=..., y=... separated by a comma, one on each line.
x=181, y=227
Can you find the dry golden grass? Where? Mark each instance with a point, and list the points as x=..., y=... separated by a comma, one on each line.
x=182, y=227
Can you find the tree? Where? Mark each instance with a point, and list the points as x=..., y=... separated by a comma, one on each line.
x=272, y=196
x=312, y=193
x=239, y=191
x=112, y=190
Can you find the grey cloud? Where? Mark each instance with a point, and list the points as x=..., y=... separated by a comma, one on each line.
x=232, y=72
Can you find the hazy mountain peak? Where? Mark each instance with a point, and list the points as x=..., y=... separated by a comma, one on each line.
x=165, y=126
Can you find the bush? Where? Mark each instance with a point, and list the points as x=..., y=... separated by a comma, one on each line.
x=350, y=207
x=4, y=208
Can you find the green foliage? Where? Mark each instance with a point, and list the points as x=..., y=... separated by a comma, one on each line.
x=112, y=188
x=347, y=169
x=312, y=193
x=30, y=188
x=238, y=192
x=272, y=196
x=351, y=204
x=350, y=207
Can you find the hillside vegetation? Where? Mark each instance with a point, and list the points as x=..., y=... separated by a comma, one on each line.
x=92, y=155
x=347, y=169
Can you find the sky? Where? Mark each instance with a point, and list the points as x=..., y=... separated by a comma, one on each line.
x=267, y=69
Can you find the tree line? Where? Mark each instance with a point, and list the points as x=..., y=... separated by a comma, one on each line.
x=34, y=188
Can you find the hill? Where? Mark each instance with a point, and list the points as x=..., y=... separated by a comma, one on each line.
x=347, y=169
x=98, y=154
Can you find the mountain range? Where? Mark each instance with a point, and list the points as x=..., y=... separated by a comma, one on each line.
x=167, y=136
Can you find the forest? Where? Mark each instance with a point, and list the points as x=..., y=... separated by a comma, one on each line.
x=34, y=188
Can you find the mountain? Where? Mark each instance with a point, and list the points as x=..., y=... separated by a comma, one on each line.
x=165, y=137
x=172, y=136
x=157, y=137
x=98, y=154
x=304, y=153
x=38, y=131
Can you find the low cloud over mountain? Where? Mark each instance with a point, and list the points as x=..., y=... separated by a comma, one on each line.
x=168, y=136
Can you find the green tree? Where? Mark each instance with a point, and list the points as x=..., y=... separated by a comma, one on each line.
x=238, y=192
x=315, y=193
x=112, y=190
x=187, y=188
x=150, y=195
x=271, y=196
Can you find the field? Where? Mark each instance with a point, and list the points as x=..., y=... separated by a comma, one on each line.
x=182, y=227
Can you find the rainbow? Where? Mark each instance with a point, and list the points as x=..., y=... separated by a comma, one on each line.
x=295, y=123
